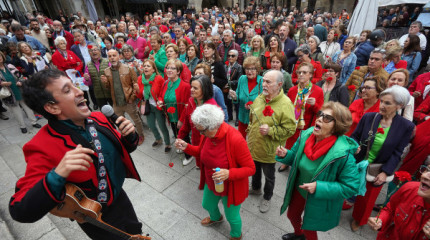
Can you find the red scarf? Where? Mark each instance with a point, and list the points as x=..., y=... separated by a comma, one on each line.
x=251, y=84
x=314, y=151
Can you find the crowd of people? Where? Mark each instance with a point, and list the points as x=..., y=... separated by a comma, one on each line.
x=240, y=89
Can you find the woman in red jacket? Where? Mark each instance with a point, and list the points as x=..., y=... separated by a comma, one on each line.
x=65, y=59
x=174, y=94
x=304, y=54
x=150, y=86
x=223, y=149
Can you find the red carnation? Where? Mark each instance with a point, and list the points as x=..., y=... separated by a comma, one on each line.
x=226, y=62
x=170, y=27
x=118, y=45
x=142, y=31
x=219, y=42
x=159, y=108
x=252, y=22
x=77, y=42
x=171, y=164
x=357, y=68
x=268, y=111
x=329, y=79
x=351, y=87
x=151, y=82
x=51, y=47
x=245, y=42
x=201, y=27
x=171, y=110
x=403, y=176
x=336, y=35
x=380, y=130
x=248, y=103
x=38, y=53
x=324, y=70
x=209, y=34
x=129, y=35
x=90, y=47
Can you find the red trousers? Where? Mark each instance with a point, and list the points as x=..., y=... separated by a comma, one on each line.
x=364, y=205
x=294, y=213
x=242, y=129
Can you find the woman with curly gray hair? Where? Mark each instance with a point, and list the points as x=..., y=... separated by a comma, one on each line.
x=225, y=160
x=304, y=55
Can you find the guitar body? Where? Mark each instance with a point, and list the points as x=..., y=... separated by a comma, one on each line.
x=79, y=207
x=74, y=201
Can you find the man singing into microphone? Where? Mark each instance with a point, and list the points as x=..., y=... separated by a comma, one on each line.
x=79, y=147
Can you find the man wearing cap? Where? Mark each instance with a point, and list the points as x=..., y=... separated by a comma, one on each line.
x=363, y=51
x=415, y=29
x=300, y=35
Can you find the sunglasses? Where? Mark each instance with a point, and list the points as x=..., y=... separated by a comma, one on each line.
x=326, y=118
x=232, y=56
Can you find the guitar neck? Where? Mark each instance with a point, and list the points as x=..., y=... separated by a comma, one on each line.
x=106, y=227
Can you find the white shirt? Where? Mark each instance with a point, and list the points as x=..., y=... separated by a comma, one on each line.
x=423, y=40
x=85, y=53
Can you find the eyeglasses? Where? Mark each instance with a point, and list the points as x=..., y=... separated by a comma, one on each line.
x=171, y=68
x=326, y=118
x=302, y=72
x=202, y=131
x=250, y=69
x=299, y=56
x=424, y=169
x=367, y=88
x=231, y=56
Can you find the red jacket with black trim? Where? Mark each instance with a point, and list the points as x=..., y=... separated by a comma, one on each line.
x=33, y=198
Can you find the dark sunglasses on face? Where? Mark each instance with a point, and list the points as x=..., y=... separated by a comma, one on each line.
x=231, y=56
x=326, y=118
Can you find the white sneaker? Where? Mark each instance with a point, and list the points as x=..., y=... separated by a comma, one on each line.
x=187, y=161
x=264, y=205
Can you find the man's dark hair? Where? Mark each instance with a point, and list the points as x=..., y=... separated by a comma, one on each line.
x=34, y=20
x=16, y=27
x=239, y=24
x=206, y=86
x=35, y=94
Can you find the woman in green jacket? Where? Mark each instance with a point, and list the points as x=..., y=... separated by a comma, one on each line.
x=158, y=54
x=249, y=86
x=323, y=173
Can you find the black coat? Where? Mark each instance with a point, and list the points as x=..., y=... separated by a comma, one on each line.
x=235, y=73
x=339, y=93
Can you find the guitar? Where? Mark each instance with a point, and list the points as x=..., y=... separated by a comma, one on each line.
x=79, y=207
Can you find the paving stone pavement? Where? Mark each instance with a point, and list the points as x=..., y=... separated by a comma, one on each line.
x=167, y=201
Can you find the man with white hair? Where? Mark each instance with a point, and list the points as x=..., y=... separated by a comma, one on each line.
x=179, y=33
x=227, y=45
x=271, y=123
x=59, y=31
x=415, y=29
x=319, y=30
x=92, y=29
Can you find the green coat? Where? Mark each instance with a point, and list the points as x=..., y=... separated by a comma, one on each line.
x=263, y=147
x=337, y=179
x=244, y=96
x=160, y=60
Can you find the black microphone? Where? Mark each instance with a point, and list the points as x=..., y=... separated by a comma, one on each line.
x=107, y=110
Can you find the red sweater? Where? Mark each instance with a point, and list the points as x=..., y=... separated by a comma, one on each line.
x=240, y=162
x=72, y=62
x=317, y=72
x=419, y=84
x=183, y=93
x=357, y=112
x=310, y=111
x=155, y=88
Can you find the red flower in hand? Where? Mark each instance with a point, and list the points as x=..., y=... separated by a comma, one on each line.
x=142, y=31
x=245, y=42
x=268, y=111
x=403, y=176
x=226, y=62
x=38, y=54
x=252, y=22
x=324, y=70
x=329, y=79
x=118, y=45
x=351, y=87
x=357, y=68
x=76, y=42
x=170, y=27
x=171, y=110
x=151, y=82
x=248, y=103
x=90, y=47
x=171, y=164
x=129, y=35
x=380, y=130
x=219, y=42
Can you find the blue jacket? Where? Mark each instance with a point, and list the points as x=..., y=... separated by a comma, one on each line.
x=363, y=53
x=398, y=137
x=289, y=47
x=320, y=32
x=219, y=99
x=34, y=43
x=347, y=67
x=414, y=60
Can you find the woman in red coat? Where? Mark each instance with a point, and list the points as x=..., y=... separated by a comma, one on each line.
x=303, y=53
x=226, y=165
x=65, y=59
x=422, y=113
x=174, y=94
x=307, y=99
x=150, y=86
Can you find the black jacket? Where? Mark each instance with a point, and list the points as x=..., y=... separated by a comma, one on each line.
x=235, y=73
x=339, y=93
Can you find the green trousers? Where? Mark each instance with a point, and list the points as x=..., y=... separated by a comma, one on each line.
x=232, y=213
x=157, y=115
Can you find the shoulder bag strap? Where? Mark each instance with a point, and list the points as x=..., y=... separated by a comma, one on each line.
x=370, y=136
